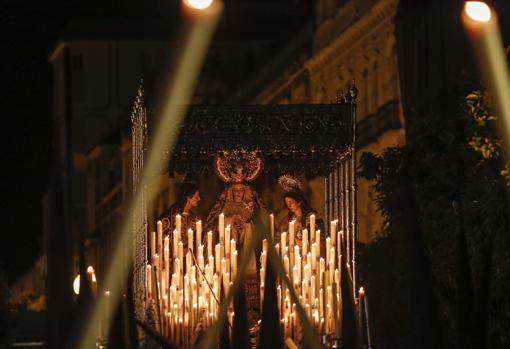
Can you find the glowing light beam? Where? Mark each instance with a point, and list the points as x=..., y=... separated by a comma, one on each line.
x=481, y=25
x=197, y=30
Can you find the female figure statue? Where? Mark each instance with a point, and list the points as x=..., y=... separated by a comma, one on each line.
x=299, y=211
x=241, y=206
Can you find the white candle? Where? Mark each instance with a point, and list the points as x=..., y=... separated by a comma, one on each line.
x=211, y=263
x=160, y=237
x=312, y=227
x=199, y=233
x=304, y=243
x=321, y=271
x=318, y=241
x=332, y=231
x=209, y=244
x=178, y=224
x=291, y=234
x=166, y=255
x=221, y=227
x=314, y=257
x=227, y=241
x=271, y=224
x=157, y=266
x=217, y=258
x=175, y=250
x=339, y=242
x=190, y=239
x=234, y=264
x=153, y=244
x=180, y=254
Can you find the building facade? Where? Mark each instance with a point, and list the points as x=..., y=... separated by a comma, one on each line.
x=355, y=41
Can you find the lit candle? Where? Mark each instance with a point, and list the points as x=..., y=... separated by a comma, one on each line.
x=211, y=264
x=221, y=227
x=291, y=234
x=332, y=231
x=367, y=319
x=175, y=250
x=312, y=227
x=218, y=258
x=227, y=242
x=199, y=233
x=178, y=224
x=234, y=264
x=153, y=244
x=318, y=241
x=271, y=224
x=304, y=243
x=160, y=237
x=181, y=251
x=339, y=241
x=190, y=239
x=321, y=271
x=209, y=243
x=283, y=241
x=166, y=255
x=328, y=248
x=361, y=305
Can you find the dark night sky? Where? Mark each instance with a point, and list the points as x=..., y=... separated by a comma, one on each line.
x=27, y=32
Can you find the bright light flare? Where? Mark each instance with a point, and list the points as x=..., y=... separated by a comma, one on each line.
x=198, y=4
x=76, y=285
x=478, y=11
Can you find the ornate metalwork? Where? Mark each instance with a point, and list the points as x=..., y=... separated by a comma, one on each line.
x=139, y=145
x=307, y=139
x=238, y=166
x=295, y=139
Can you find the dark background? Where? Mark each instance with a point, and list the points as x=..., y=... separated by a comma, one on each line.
x=29, y=31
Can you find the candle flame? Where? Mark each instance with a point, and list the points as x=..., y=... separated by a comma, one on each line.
x=478, y=11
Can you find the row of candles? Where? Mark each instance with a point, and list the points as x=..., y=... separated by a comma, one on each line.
x=184, y=282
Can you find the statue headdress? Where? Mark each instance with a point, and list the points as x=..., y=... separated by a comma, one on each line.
x=238, y=166
x=292, y=187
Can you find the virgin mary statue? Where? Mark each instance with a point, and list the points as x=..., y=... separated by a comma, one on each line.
x=241, y=206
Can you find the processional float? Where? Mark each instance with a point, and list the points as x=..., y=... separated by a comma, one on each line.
x=181, y=292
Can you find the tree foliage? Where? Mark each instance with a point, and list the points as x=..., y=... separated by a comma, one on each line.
x=440, y=269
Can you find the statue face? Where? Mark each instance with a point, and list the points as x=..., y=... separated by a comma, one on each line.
x=238, y=192
x=292, y=204
x=194, y=200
